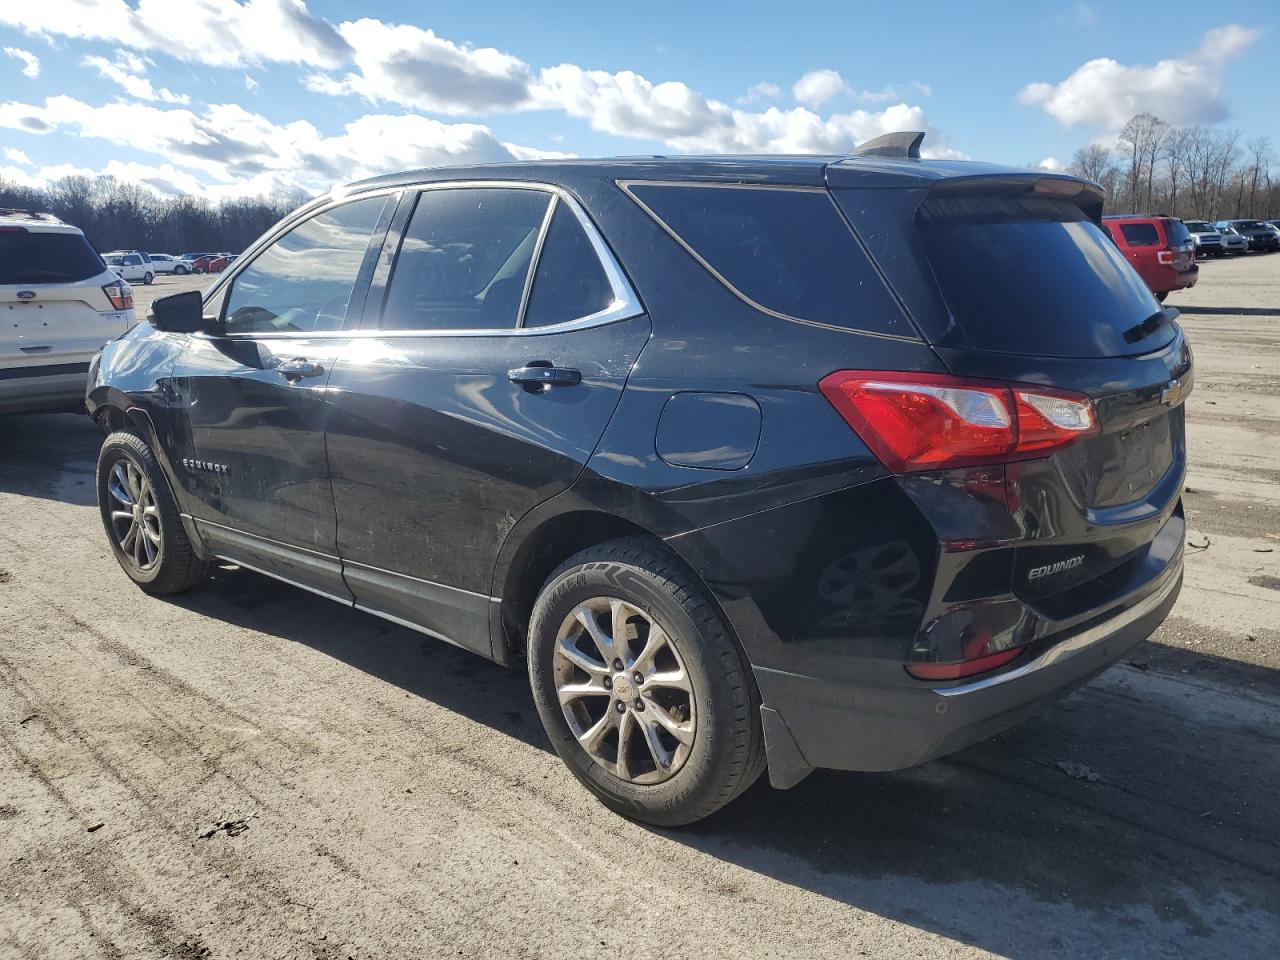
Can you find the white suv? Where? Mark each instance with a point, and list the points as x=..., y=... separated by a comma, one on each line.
x=131, y=265
x=59, y=303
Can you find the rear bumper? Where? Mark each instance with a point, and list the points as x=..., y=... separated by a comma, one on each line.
x=813, y=721
x=32, y=390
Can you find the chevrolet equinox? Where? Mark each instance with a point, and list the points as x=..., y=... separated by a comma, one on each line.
x=789, y=462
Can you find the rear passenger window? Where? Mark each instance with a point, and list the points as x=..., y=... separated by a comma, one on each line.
x=569, y=283
x=786, y=250
x=1140, y=234
x=465, y=259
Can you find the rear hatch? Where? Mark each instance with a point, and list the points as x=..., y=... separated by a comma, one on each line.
x=53, y=309
x=1011, y=278
x=1182, y=246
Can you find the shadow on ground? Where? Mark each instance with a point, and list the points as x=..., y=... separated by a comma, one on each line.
x=50, y=456
x=1174, y=848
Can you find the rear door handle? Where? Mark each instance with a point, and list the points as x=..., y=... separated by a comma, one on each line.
x=537, y=375
x=36, y=349
x=299, y=367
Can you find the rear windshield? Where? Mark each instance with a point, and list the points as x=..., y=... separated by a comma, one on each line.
x=46, y=258
x=1033, y=275
x=787, y=250
x=1176, y=232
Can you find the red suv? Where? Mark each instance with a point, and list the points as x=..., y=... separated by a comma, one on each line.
x=1161, y=249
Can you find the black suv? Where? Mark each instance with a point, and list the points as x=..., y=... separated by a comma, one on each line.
x=838, y=462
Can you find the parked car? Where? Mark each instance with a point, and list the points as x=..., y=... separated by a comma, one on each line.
x=1233, y=242
x=1159, y=248
x=167, y=263
x=130, y=266
x=59, y=303
x=209, y=263
x=745, y=459
x=1208, y=241
x=1273, y=227
x=1256, y=233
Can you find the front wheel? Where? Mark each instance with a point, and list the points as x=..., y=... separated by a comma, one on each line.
x=644, y=694
x=180, y=271
x=141, y=518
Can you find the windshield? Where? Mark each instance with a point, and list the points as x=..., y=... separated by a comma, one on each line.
x=1033, y=275
x=1198, y=226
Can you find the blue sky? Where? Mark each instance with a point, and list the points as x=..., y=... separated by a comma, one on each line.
x=246, y=96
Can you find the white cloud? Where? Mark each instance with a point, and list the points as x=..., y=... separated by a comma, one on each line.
x=14, y=155
x=245, y=153
x=1107, y=93
x=760, y=91
x=1051, y=164
x=30, y=62
x=221, y=33
x=126, y=71
x=818, y=86
x=250, y=84
x=921, y=88
x=403, y=64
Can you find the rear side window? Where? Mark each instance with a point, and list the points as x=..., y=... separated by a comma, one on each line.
x=569, y=283
x=1033, y=275
x=464, y=259
x=31, y=257
x=1175, y=232
x=303, y=281
x=786, y=250
x=1140, y=234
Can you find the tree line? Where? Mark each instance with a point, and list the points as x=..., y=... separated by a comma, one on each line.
x=1188, y=172
x=117, y=215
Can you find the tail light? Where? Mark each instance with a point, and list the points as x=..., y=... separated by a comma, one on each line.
x=1164, y=256
x=964, y=668
x=120, y=294
x=925, y=421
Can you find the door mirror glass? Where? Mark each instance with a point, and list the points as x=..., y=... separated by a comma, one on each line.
x=178, y=313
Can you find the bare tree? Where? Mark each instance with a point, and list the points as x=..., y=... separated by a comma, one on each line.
x=1092, y=162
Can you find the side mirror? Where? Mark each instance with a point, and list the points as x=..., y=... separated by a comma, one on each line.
x=178, y=313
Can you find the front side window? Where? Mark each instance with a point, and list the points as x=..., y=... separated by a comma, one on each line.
x=303, y=281
x=465, y=259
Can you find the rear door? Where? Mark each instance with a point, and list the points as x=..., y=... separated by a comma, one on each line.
x=252, y=462
x=1016, y=285
x=499, y=353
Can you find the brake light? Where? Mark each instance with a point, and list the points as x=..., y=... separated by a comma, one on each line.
x=965, y=668
x=1164, y=256
x=120, y=294
x=926, y=421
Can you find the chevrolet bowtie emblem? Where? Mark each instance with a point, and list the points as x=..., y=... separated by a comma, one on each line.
x=1172, y=393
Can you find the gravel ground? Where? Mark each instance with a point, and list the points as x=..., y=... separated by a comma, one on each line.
x=250, y=771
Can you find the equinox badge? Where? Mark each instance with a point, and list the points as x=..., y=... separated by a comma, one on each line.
x=1049, y=569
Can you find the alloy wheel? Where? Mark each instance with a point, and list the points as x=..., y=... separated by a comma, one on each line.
x=624, y=690
x=135, y=516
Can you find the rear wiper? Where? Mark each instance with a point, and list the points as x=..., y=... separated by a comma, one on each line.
x=1150, y=325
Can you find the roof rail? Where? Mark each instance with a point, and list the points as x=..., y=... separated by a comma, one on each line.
x=903, y=143
x=29, y=214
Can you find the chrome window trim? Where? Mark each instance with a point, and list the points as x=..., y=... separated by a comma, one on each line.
x=625, y=306
x=627, y=185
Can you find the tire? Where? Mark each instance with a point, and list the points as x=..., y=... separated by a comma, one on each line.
x=148, y=277
x=1161, y=295
x=180, y=271
x=175, y=566
x=719, y=712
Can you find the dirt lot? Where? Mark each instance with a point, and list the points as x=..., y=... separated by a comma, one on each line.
x=400, y=800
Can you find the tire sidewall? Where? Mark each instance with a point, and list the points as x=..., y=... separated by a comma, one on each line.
x=701, y=771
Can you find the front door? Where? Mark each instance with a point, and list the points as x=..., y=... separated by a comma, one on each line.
x=481, y=394
x=253, y=464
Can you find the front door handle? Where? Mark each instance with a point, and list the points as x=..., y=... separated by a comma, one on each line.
x=544, y=376
x=299, y=367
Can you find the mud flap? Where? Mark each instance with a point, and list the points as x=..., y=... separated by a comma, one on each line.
x=787, y=765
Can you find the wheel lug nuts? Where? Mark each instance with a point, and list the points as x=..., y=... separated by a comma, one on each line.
x=608, y=684
x=637, y=678
x=640, y=705
x=617, y=664
x=622, y=707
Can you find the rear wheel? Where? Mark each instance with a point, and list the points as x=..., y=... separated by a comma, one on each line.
x=180, y=271
x=1161, y=295
x=643, y=693
x=148, y=277
x=141, y=518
